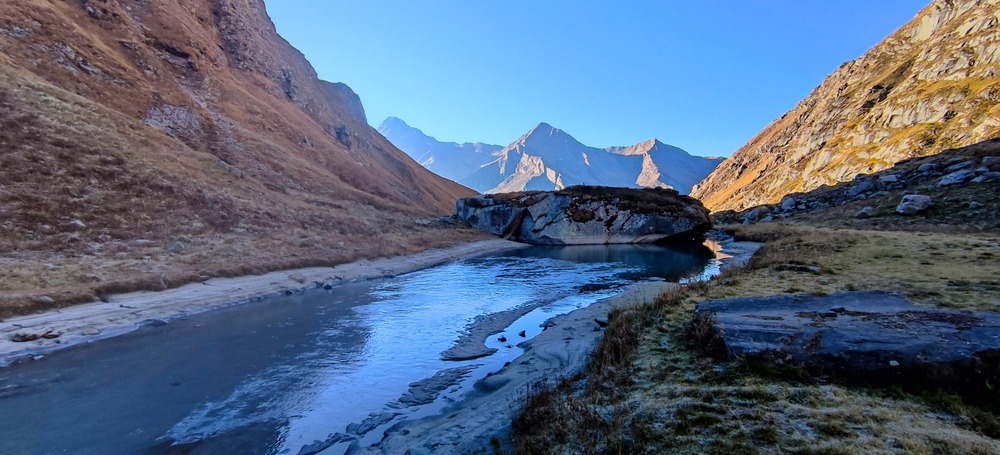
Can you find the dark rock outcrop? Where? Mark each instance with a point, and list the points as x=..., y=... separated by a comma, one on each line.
x=582, y=215
x=871, y=337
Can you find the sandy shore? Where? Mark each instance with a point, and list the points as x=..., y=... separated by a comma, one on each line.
x=472, y=344
x=126, y=312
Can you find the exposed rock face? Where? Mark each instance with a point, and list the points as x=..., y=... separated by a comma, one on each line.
x=875, y=337
x=957, y=178
x=587, y=215
x=931, y=85
x=548, y=158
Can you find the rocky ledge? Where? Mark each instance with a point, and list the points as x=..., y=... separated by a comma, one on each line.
x=875, y=338
x=580, y=215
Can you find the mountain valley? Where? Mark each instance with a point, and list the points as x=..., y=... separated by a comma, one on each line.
x=161, y=162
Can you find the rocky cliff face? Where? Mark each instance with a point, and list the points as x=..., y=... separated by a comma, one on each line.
x=548, y=158
x=127, y=124
x=931, y=85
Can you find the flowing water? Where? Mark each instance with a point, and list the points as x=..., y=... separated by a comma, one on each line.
x=319, y=368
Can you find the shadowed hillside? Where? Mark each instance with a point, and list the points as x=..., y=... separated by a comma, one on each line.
x=145, y=144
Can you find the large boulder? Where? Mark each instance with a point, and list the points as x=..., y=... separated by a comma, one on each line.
x=581, y=215
x=871, y=337
x=956, y=178
x=913, y=204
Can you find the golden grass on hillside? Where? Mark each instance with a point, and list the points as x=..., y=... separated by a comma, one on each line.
x=193, y=125
x=932, y=268
x=650, y=389
x=90, y=200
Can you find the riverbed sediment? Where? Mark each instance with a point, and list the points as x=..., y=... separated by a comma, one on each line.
x=467, y=426
x=123, y=313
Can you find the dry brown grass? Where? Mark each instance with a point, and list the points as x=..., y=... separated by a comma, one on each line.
x=251, y=179
x=32, y=281
x=951, y=270
x=651, y=389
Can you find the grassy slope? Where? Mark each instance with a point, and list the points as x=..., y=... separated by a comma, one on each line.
x=261, y=166
x=136, y=191
x=648, y=389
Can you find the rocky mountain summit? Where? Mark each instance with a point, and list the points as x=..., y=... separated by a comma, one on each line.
x=931, y=85
x=166, y=141
x=586, y=215
x=547, y=158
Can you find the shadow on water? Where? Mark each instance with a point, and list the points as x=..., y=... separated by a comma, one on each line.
x=671, y=262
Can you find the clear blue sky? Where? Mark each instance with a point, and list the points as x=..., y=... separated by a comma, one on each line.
x=702, y=75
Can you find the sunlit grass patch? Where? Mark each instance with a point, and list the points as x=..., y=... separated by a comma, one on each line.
x=653, y=388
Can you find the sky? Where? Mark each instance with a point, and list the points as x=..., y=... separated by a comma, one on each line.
x=705, y=76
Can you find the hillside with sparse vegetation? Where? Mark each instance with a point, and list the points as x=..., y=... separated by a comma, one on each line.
x=146, y=145
x=933, y=84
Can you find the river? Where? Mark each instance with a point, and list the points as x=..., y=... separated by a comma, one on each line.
x=318, y=369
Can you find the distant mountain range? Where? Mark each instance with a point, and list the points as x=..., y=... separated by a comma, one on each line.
x=547, y=158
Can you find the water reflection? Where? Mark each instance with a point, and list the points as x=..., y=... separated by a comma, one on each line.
x=670, y=261
x=274, y=376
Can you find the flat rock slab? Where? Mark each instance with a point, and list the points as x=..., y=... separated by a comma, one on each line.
x=874, y=337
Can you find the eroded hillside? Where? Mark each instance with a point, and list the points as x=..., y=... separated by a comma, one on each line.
x=931, y=85
x=146, y=144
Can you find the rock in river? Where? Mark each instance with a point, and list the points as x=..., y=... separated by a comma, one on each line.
x=580, y=215
x=870, y=337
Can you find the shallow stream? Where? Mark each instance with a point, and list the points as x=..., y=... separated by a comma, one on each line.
x=311, y=372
